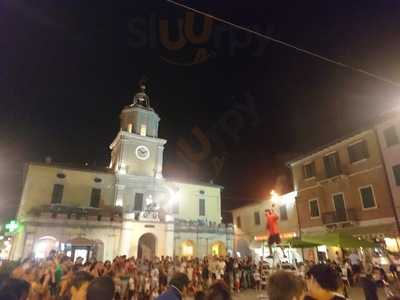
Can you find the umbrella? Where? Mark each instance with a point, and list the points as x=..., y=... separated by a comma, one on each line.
x=338, y=239
x=298, y=243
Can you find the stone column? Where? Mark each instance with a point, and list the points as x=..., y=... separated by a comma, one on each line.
x=126, y=246
x=18, y=245
x=169, y=240
x=119, y=195
x=160, y=149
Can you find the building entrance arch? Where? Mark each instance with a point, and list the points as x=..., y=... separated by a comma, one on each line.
x=218, y=248
x=147, y=246
x=44, y=246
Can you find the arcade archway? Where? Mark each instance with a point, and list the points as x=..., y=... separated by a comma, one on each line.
x=147, y=246
x=44, y=246
x=187, y=248
x=218, y=248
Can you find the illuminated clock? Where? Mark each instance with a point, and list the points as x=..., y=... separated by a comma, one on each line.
x=142, y=152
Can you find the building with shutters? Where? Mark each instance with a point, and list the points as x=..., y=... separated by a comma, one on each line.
x=343, y=186
x=388, y=132
x=126, y=209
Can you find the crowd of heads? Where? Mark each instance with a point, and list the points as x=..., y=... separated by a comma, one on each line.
x=128, y=278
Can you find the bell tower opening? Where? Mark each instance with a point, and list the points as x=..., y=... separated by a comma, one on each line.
x=137, y=150
x=139, y=117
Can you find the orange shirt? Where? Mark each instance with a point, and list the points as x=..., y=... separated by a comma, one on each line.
x=272, y=223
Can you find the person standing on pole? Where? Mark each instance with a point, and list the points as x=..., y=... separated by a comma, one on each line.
x=271, y=221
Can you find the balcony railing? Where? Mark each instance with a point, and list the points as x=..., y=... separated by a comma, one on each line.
x=332, y=217
x=78, y=213
x=202, y=226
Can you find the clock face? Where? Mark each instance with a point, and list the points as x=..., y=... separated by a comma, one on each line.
x=142, y=152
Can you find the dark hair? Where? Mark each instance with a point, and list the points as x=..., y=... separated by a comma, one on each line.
x=283, y=285
x=80, y=278
x=101, y=288
x=17, y=287
x=199, y=295
x=325, y=275
x=179, y=280
x=7, y=296
x=218, y=291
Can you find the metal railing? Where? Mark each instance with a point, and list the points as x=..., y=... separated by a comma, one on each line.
x=332, y=217
x=202, y=226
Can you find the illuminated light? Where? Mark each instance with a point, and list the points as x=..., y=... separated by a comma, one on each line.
x=149, y=199
x=173, y=195
x=218, y=249
x=391, y=244
x=261, y=238
x=288, y=199
x=169, y=218
x=187, y=248
x=122, y=169
x=1, y=237
x=143, y=130
x=44, y=245
x=119, y=202
x=12, y=227
x=130, y=127
x=81, y=253
x=274, y=197
x=284, y=236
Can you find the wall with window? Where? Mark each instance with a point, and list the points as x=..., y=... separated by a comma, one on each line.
x=348, y=181
x=389, y=139
x=51, y=184
x=348, y=156
x=195, y=201
x=249, y=220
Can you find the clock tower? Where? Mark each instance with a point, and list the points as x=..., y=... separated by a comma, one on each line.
x=137, y=150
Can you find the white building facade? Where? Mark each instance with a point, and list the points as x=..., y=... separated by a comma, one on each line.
x=126, y=209
x=251, y=236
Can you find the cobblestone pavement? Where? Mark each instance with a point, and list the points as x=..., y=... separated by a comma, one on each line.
x=355, y=294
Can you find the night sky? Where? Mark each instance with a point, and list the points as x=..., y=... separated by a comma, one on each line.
x=67, y=68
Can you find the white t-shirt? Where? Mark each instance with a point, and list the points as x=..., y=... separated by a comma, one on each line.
x=189, y=271
x=354, y=259
x=147, y=284
x=183, y=267
x=154, y=274
x=131, y=284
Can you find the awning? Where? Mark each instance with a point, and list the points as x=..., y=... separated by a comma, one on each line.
x=298, y=243
x=370, y=232
x=338, y=239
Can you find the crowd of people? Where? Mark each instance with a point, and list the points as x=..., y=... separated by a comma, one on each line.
x=165, y=278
